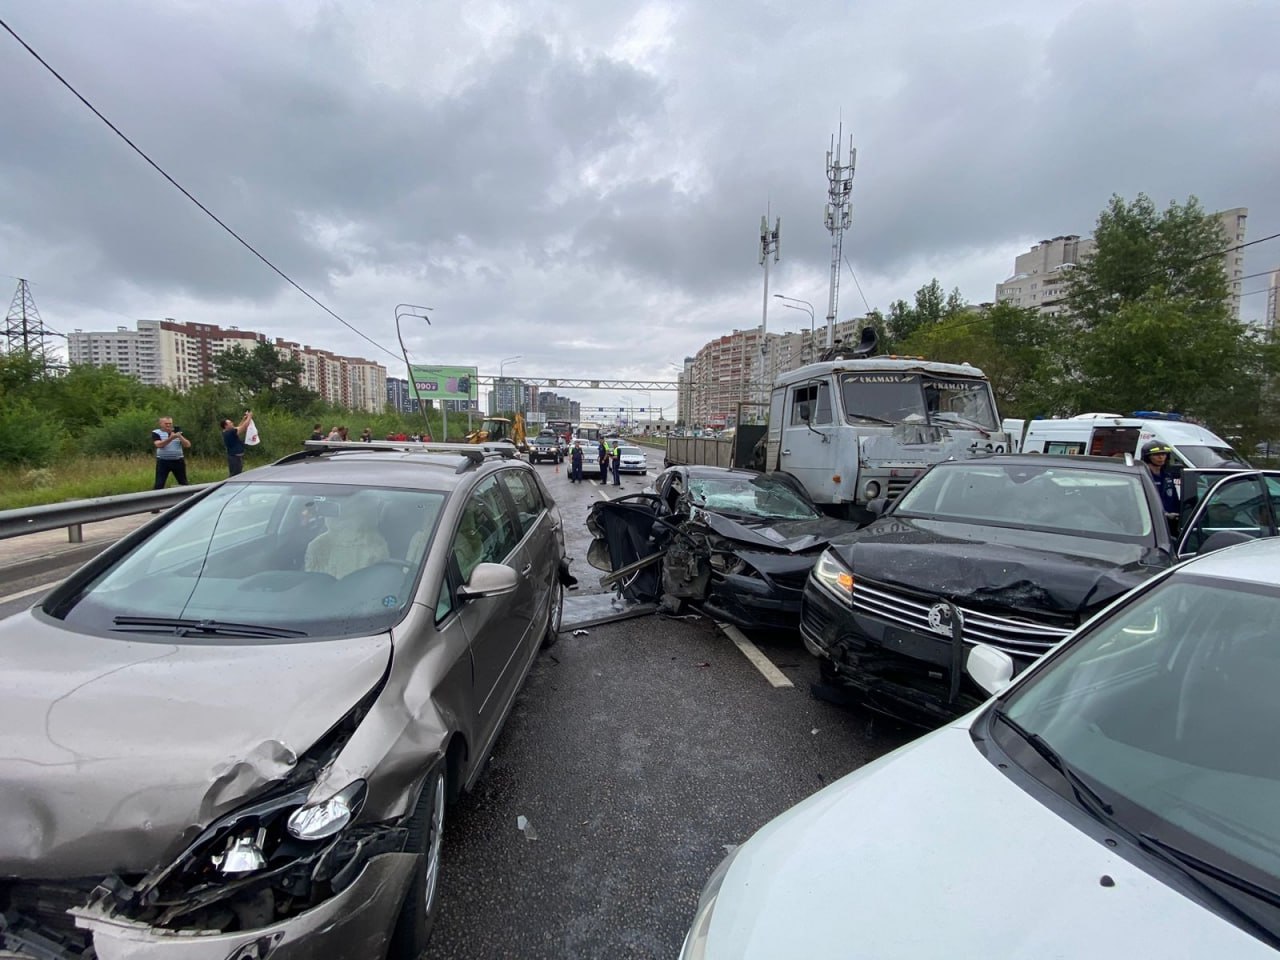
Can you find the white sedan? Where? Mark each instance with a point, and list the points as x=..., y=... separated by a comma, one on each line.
x=1117, y=800
x=632, y=460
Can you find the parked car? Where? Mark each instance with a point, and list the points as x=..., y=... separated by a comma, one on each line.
x=1011, y=551
x=545, y=447
x=236, y=732
x=1116, y=801
x=632, y=460
x=590, y=455
x=734, y=544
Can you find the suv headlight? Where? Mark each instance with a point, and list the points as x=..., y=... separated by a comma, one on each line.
x=695, y=941
x=833, y=576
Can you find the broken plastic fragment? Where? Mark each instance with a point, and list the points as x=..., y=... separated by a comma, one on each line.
x=525, y=827
x=814, y=731
x=580, y=633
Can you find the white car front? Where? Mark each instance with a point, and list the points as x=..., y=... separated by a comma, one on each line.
x=632, y=460
x=1116, y=802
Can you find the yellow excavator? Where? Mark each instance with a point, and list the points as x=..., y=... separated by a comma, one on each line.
x=498, y=429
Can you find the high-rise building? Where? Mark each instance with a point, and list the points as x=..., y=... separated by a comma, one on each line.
x=1039, y=275
x=398, y=396
x=1271, y=319
x=181, y=355
x=510, y=394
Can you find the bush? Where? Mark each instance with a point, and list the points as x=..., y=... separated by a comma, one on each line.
x=27, y=438
x=125, y=433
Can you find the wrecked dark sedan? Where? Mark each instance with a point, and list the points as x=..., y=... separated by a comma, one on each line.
x=1013, y=551
x=734, y=544
x=234, y=735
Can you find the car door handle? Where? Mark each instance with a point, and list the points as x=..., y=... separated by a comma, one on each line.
x=786, y=453
x=527, y=567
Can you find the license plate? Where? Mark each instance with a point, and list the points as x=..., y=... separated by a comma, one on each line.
x=935, y=650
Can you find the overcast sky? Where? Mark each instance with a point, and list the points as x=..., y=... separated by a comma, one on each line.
x=581, y=183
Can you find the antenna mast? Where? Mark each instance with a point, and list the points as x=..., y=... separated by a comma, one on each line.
x=839, y=214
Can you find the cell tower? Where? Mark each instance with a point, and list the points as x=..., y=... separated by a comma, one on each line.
x=24, y=331
x=839, y=215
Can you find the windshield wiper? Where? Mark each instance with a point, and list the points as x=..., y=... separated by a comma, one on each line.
x=948, y=416
x=1167, y=851
x=219, y=628
x=867, y=416
x=1085, y=795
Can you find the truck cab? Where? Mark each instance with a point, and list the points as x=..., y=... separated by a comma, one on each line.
x=857, y=430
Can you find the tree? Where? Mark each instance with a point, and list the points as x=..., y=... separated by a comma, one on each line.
x=257, y=370
x=1153, y=327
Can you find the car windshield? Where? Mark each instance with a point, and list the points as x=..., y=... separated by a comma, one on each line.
x=1060, y=499
x=751, y=496
x=630, y=452
x=1167, y=707
x=1207, y=456
x=322, y=560
x=912, y=397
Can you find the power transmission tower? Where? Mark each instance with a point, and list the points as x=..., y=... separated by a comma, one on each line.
x=839, y=215
x=23, y=329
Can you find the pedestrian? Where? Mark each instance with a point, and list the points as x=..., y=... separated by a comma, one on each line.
x=334, y=435
x=366, y=435
x=1156, y=456
x=170, y=446
x=604, y=462
x=342, y=434
x=316, y=433
x=575, y=463
x=615, y=461
x=233, y=440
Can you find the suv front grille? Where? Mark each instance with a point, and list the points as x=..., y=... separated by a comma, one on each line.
x=1023, y=638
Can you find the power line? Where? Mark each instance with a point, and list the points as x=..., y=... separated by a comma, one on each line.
x=186, y=193
x=857, y=284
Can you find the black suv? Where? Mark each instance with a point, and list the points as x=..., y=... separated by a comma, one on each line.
x=1011, y=551
x=545, y=446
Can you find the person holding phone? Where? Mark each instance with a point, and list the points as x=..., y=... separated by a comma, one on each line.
x=171, y=447
x=233, y=440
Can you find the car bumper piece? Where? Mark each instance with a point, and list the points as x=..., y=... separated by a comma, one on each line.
x=355, y=924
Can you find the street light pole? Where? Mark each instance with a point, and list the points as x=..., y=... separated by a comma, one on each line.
x=809, y=307
x=408, y=310
x=502, y=366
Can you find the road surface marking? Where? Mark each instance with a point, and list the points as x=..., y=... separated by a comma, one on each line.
x=27, y=593
x=762, y=663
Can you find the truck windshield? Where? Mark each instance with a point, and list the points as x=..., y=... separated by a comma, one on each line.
x=914, y=397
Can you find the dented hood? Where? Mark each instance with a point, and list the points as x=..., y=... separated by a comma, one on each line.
x=113, y=753
x=1020, y=570
x=791, y=536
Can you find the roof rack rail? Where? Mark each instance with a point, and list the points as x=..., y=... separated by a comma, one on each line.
x=473, y=453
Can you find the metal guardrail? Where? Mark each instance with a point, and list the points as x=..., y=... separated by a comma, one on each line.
x=73, y=513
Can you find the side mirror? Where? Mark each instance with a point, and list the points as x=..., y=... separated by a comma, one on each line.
x=878, y=506
x=489, y=580
x=991, y=669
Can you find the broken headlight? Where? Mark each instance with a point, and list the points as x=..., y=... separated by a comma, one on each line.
x=316, y=821
x=833, y=576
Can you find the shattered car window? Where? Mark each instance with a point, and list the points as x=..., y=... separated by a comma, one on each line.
x=251, y=560
x=750, y=496
x=1057, y=499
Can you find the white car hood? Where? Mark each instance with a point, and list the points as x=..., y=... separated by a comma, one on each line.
x=932, y=852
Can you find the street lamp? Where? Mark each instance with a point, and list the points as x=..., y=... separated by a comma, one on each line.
x=414, y=310
x=502, y=366
x=809, y=306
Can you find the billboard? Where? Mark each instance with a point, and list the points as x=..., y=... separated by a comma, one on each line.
x=443, y=383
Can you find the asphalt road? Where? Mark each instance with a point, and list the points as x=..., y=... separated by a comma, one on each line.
x=637, y=754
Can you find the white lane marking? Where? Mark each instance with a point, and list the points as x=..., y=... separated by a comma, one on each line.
x=603, y=495
x=758, y=660
x=27, y=593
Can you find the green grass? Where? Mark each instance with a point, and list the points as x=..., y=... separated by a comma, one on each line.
x=86, y=477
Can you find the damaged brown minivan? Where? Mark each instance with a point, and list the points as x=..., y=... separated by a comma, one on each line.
x=235, y=734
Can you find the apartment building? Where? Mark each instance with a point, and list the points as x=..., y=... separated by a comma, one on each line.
x=1039, y=275
x=181, y=355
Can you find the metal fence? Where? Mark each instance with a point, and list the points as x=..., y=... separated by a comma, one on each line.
x=74, y=513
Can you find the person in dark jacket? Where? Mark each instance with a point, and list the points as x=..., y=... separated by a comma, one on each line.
x=575, y=463
x=1156, y=456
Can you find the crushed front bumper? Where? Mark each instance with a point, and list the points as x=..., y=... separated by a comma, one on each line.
x=895, y=670
x=355, y=924
x=752, y=603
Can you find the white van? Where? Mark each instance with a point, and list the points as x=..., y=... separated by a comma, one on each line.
x=1109, y=435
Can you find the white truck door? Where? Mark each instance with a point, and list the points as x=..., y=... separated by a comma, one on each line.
x=809, y=447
